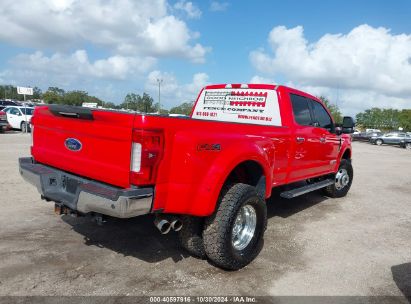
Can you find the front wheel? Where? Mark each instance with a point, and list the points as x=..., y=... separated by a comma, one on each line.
x=408, y=146
x=379, y=142
x=343, y=180
x=233, y=235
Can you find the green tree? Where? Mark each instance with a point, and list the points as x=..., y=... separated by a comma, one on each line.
x=184, y=108
x=146, y=104
x=333, y=108
x=385, y=119
x=143, y=104
x=110, y=105
x=37, y=93
x=53, y=95
x=75, y=98
x=10, y=92
x=404, y=119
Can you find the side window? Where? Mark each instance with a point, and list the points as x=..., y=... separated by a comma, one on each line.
x=321, y=116
x=14, y=111
x=301, y=110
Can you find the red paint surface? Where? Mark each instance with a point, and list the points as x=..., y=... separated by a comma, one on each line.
x=187, y=180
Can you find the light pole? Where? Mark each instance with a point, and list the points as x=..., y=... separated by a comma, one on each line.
x=159, y=81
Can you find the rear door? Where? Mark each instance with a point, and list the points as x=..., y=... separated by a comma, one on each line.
x=88, y=142
x=399, y=137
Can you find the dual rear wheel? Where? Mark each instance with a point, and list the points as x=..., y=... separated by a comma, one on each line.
x=233, y=236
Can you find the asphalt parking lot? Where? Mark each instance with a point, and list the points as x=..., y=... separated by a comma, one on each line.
x=358, y=245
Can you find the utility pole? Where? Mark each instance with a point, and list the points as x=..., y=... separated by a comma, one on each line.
x=159, y=81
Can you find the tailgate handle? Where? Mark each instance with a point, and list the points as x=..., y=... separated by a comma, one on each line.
x=74, y=115
x=71, y=112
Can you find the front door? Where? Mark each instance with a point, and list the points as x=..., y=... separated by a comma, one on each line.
x=304, y=142
x=330, y=143
x=13, y=117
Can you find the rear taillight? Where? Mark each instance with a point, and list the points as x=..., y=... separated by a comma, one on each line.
x=146, y=153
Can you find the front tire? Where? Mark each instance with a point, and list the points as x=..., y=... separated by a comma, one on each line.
x=343, y=180
x=233, y=235
x=408, y=146
x=379, y=142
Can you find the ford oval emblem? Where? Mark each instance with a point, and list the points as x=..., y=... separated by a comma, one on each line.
x=73, y=144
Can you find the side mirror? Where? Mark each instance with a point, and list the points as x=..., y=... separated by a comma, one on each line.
x=338, y=130
x=348, y=125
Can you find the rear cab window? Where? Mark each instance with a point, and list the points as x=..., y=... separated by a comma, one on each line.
x=301, y=110
x=240, y=105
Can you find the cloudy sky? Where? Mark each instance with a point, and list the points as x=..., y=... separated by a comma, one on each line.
x=356, y=53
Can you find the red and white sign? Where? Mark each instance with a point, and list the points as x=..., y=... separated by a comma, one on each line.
x=254, y=106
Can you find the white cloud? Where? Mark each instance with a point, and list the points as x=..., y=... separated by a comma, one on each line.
x=65, y=70
x=126, y=27
x=369, y=66
x=260, y=79
x=217, y=6
x=173, y=93
x=189, y=8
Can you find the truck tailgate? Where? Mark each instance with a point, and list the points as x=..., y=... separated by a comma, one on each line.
x=88, y=142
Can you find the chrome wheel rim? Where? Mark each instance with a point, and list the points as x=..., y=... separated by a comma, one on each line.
x=244, y=227
x=408, y=146
x=342, y=179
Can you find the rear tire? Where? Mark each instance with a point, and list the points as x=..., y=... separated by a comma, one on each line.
x=379, y=142
x=408, y=146
x=190, y=236
x=233, y=235
x=341, y=186
x=23, y=127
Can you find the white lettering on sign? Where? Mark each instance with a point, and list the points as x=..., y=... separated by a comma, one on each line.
x=253, y=106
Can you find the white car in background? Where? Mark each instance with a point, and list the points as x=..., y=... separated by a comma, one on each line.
x=19, y=117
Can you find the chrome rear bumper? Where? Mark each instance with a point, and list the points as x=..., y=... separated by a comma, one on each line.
x=84, y=195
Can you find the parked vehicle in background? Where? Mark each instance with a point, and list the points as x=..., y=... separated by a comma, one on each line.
x=372, y=131
x=19, y=117
x=365, y=136
x=207, y=176
x=4, y=125
x=406, y=142
x=6, y=103
x=393, y=138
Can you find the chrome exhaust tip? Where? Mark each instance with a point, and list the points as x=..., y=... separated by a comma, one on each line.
x=176, y=225
x=162, y=225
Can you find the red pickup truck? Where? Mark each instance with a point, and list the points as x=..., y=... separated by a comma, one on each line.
x=207, y=176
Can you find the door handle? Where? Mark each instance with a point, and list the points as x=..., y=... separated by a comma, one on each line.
x=300, y=139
